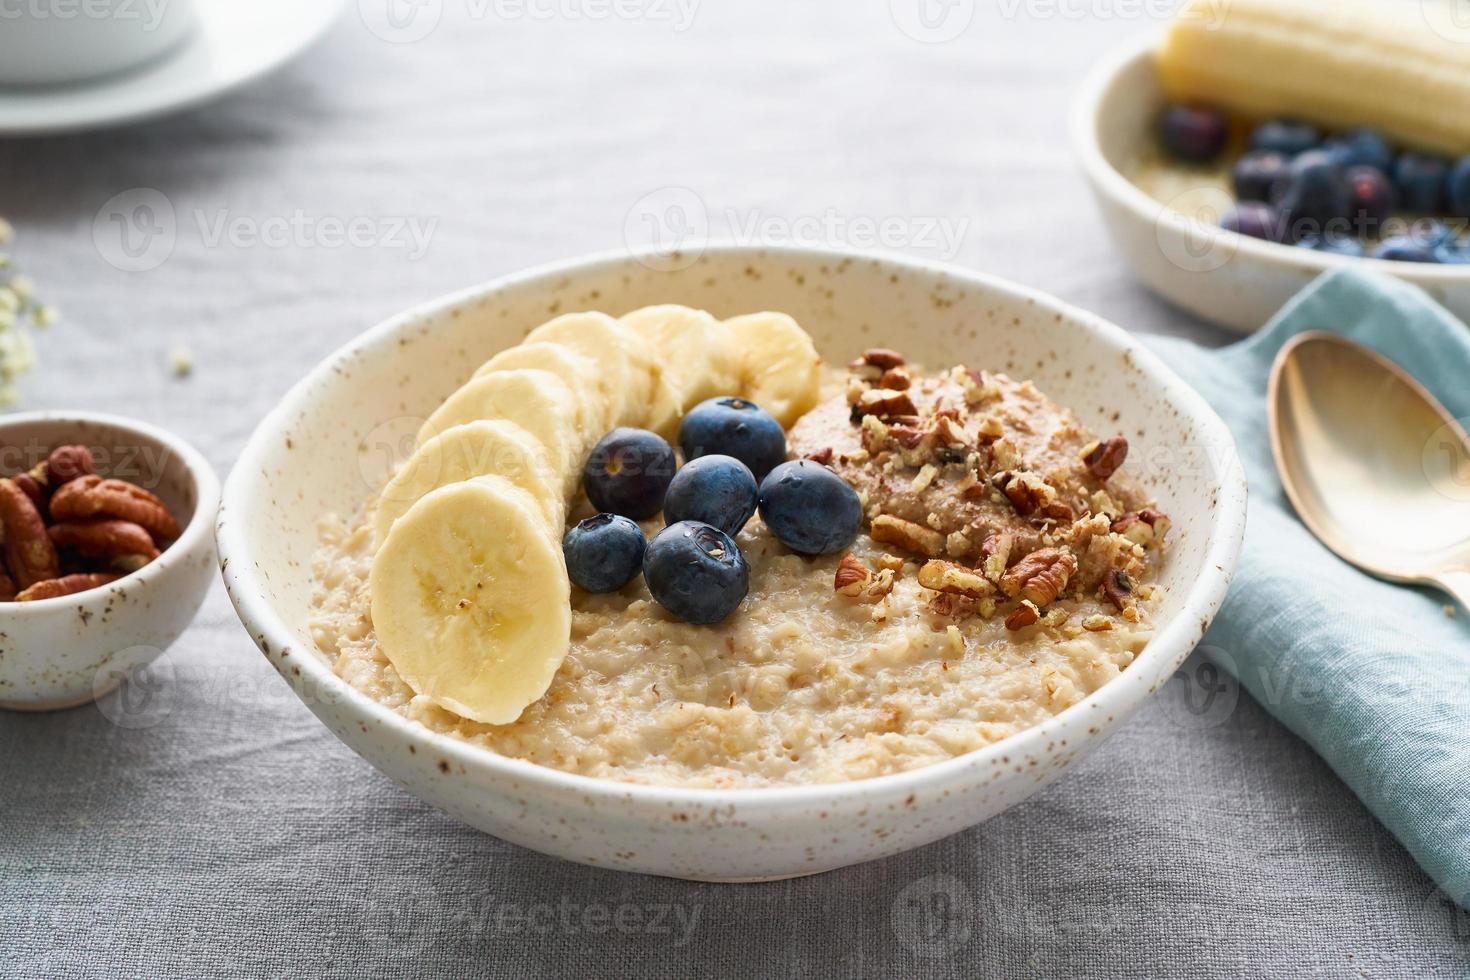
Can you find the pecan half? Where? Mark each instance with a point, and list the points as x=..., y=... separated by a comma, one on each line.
x=92, y=496
x=885, y=403
x=67, y=463
x=907, y=535
x=33, y=489
x=29, y=554
x=895, y=379
x=1024, y=615
x=1118, y=588
x=103, y=539
x=52, y=588
x=1041, y=576
x=883, y=358
x=1103, y=458
x=946, y=576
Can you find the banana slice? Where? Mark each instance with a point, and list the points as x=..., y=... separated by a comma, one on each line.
x=538, y=401
x=470, y=600
x=693, y=361
x=492, y=447
x=623, y=359
x=777, y=365
x=595, y=408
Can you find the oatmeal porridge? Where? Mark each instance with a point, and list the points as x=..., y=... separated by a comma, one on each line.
x=1003, y=573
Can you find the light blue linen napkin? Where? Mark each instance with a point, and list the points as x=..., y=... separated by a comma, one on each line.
x=1376, y=677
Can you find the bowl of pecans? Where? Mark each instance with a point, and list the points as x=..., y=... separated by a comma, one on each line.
x=106, y=551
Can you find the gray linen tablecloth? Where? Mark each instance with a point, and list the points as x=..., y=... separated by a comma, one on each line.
x=205, y=823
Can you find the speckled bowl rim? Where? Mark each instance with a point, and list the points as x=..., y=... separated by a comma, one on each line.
x=205, y=486
x=1085, y=123
x=1168, y=647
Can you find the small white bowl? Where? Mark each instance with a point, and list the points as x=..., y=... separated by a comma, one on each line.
x=63, y=652
x=57, y=42
x=1232, y=280
x=328, y=445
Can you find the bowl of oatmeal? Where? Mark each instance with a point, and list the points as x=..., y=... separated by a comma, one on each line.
x=1049, y=521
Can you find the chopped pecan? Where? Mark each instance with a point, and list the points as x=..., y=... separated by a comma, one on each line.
x=1118, y=588
x=951, y=605
x=949, y=432
x=907, y=535
x=103, y=539
x=67, y=463
x=1103, y=458
x=93, y=496
x=906, y=437
x=1024, y=615
x=29, y=554
x=1041, y=576
x=1059, y=511
x=895, y=379
x=33, y=489
x=978, y=389
x=883, y=358
x=822, y=456
x=885, y=404
x=995, y=551
x=1097, y=624
x=852, y=576
x=52, y=588
x=946, y=576
x=1028, y=493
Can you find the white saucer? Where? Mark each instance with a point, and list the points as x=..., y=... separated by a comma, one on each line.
x=234, y=42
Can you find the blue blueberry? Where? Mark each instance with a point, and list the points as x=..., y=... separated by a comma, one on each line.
x=628, y=472
x=1430, y=232
x=1256, y=173
x=603, y=553
x=1361, y=148
x=1373, y=198
x=1454, y=253
x=1420, y=179
x=696, y=572
x=715, y=490
x=1255, y=219
x=1457, y=187
x=810, y=509
x=1288, y=136
x=734, y=427
x=1333, y=245
x=1312, y=196
x=1401, y=248
x=1193, y=133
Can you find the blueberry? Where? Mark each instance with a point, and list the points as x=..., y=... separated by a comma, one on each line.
x=716, y=490
x=810, y=509
x=1420, y=179
x=1193, y=133
x=628, y=472
x=696, y=572
x=1254, y=219
x=1333, y=245
x=734, y=427
x=1313, y=196
x=1458, y=188
x=1401, y=248
x=1454, y=253
x=603, y=553
x=1429, y=232
x=1361, y=148
x=1373, y=198
x=1288, y=136
x=1256, y=172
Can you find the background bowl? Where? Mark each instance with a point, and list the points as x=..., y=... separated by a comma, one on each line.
x=331, y=442
x=59, y=653
x=1228, y=279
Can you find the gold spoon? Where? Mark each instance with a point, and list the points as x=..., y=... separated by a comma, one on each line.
x=1376, y=468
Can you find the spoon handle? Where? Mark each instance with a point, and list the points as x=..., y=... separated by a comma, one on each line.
x=1456, y=582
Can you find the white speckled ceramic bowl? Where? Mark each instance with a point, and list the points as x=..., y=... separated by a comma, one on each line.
x=1229, y=279
x=59, y=653
x=321, y=451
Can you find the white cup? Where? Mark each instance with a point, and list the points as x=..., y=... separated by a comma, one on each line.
x=46, y=42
